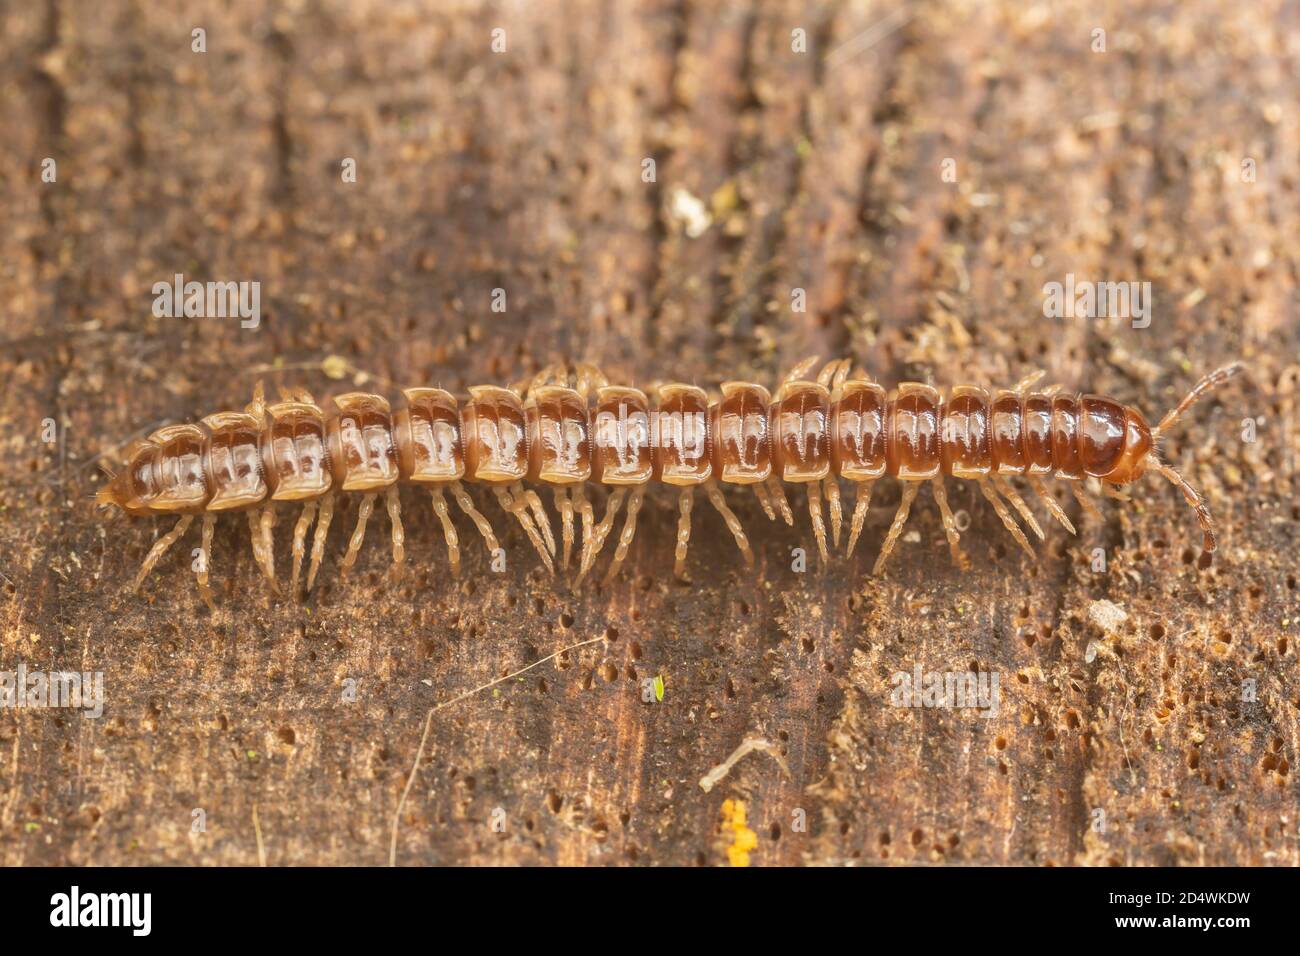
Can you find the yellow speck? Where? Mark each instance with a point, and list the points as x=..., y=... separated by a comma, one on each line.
x=335, y=366
x=744, y=839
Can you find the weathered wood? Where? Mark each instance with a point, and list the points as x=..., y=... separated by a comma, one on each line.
x=522, y=171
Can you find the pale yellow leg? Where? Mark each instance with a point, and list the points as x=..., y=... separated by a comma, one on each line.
x=1193, y=498
x=685, y=502
x=583, y=507
x=318, y=539
x=268, y=543
x=359, y=533
x=300, y=543
x=393, y=502
x=601, y=531
x=1029, y=381
x=1114, y=494
x=827, y=374
x=1004, y=487
x=949, y=523
x=205, y=555
x=518, y=507
x=778, y=496
x=590, y=378
x=841, y=374
x=859, y=514
x=259, y=533
x=1008, y=522
x=800, y=370
x=764, y=499
x=466, y=504
x=448, y=529
x=1052, y=506
x=564, y=506
x=160, y=547
x=1088, y=505
x=539, y=513
x=733, y=523
x=629, y=532
x=910, y=488
x=818, y=524
x=831, y=486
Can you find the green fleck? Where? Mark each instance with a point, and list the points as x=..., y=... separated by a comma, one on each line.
x=659, y=687
x=251, y=754
x=31, y=827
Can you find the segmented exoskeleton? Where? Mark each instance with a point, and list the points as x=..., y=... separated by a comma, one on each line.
x=564, y=431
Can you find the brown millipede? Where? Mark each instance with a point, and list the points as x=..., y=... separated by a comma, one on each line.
x=564, y=431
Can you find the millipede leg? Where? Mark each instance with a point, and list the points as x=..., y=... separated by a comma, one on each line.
x=564, y=506
x=601, y=531
x=205, y=555
x=160, y=547
x=318, y=539
x=818, y=524
x=628, y=533
x=831, y=486
x=268, y=544
x=685, y=502
x=949, y=523
x=359, y=533
x=910, y=488
x=860, y=508
x=1114, y=494
x=583, y=506
x=257, y=540
x=1028, y=382
x=539, y=513
x=448, y=529
x=764, y=499
x=1009, y=522
x=1004, y=487
x=1052, y=506
x=590, y=378
x=1088, y=505
x=260, y=526
x=733, y=523
x=466, y=504
x=800, y=369
x=1193, y=498
x=518, y=507
x=393, y=502
x=300, y=543
x=841, y=374
x=827, y=374
x=778, y=496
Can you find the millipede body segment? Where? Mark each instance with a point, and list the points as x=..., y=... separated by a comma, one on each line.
x=566, y=431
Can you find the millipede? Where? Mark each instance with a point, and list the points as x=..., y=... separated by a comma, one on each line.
x=568, y=426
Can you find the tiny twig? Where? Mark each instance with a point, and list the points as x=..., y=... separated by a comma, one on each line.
x=428, y=722
x=710, y=779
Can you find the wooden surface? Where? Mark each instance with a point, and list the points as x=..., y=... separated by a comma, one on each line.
x=523, y=171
